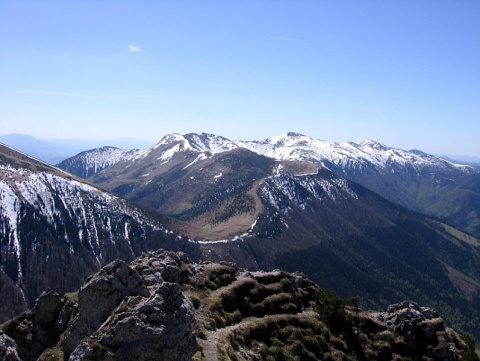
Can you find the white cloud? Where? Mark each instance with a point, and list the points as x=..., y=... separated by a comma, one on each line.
x=133, y=48
x=249, y=43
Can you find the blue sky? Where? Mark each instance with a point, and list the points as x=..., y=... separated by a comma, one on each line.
x=405, y=73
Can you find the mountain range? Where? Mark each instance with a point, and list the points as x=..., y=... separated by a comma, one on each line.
x=282, y=202
x=414, y=179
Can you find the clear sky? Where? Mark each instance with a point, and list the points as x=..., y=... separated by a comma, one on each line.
x=405, y=73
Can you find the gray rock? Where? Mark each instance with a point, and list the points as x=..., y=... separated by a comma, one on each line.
x=107, y=295
x=406, y=312
x=47, y=308
x=445, y=353
x=419, y=327
x=69, y=308
x=8, y=348
x=99, y=297
x=36, y=331
x=161, y=265
x=157, y=328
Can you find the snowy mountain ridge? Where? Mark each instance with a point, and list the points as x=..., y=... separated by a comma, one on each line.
x=292, y=146
x=51, y=196
x=285, y=147
x=297, y=147
x=92, y=161
x=301, y=189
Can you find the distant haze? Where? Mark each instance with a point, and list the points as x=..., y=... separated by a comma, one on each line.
x=54, y=151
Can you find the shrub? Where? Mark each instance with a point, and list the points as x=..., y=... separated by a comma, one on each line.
x=469, y=354
x=220, y=276
x=332, y=309
x=195, y=300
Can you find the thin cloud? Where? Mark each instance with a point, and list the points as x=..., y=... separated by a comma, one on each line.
x=286, y=39
x=56, y=93
x=53, y=92
x=133, y=48
x=249, y=43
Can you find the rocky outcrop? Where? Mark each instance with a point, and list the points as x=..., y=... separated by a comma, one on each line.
x=123, y=312
x=416, y=331
x=162, y=306
x=415, y=323
x=8, y=348
x=99, y=297
x=156, y=328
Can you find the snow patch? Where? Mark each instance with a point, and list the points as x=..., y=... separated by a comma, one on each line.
x=300, y=190
x=200, y=157
x=55, y=199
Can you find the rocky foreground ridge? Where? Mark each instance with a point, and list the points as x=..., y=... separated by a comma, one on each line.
x=162, y=306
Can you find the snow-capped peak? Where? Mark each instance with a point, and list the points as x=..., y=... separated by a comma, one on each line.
x=293, y=146
x=373, y=144
x=92, y=161
x=170, y=138
x=205, y=142
x=284, y=139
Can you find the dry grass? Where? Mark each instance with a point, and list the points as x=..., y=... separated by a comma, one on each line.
x=203, y=228
x=52, y=354
x=466, y=285
x=279, y=337
x=71, y=296
x=471, y=240
x=298, y=167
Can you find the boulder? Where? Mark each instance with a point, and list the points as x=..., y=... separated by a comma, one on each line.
x=36, y=331
x=103, y=292
x=158, y=266
x=422, y=330
x=156, y=328
x=8, y=348
x=47, y=308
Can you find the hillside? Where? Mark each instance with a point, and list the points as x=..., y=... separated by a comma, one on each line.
x=459, y=203
x=88, y=163
x=56, y=229
x=349, y=239
x=163, y=306
x=216, y=194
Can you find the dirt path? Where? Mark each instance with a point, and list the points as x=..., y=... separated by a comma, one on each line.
x=210, y=345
